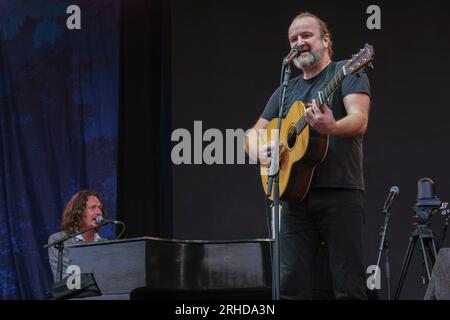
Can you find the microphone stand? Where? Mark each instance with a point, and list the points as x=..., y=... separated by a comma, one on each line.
x=59, y=245
x=273, y=181
x=384, y=246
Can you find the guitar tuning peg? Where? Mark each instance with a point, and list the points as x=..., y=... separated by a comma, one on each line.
x=370, y=65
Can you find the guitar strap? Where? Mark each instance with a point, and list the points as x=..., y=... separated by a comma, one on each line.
x=337, y=94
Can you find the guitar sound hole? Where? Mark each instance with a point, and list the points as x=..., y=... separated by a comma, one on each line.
x=292, y=137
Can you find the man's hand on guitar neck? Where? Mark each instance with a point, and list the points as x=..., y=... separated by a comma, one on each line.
x=353, y=124
x=322, y=122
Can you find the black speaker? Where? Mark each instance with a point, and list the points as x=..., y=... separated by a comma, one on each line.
x=88, y=288
x=439, y=286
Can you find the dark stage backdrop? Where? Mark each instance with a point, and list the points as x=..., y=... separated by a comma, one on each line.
x=226, y=59
x=145, y=182
x=58, y=127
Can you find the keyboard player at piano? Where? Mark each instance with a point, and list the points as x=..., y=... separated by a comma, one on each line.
x=79, y=214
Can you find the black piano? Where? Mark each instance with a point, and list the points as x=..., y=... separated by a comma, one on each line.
x=148, y=267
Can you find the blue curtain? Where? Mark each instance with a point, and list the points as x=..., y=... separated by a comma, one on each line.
x=58, y=127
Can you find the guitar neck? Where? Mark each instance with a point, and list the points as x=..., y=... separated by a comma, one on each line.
x=322, y=96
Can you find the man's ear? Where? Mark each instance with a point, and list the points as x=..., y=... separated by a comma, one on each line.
x=326, y=40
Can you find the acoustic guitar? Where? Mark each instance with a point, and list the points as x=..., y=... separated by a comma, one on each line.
x=303, y=148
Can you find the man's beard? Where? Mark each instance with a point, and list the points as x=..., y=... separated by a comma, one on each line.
x=308, y=61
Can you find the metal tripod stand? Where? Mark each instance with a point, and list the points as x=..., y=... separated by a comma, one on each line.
x=425, y=235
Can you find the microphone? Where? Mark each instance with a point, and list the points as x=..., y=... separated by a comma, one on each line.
x=295, y=51
x=101, y=220
x=392, y=193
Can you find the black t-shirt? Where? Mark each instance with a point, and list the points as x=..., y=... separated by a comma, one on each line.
x=343, y=164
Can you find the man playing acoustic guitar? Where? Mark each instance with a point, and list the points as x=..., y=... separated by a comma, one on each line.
x=331, y=210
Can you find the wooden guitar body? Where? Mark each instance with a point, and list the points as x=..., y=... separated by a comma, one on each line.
x=300, y=155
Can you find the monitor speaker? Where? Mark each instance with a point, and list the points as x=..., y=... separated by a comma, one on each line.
x=439, y=285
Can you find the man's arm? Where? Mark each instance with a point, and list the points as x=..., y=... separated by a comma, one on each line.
x=53, y=261
x=353, y=124
x=253, y=138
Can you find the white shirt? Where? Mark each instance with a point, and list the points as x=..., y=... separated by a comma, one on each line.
x=80, y=237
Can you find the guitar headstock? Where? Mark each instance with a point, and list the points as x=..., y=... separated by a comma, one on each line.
x=358, y=61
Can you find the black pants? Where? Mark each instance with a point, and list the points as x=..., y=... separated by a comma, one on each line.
x=332, y=216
